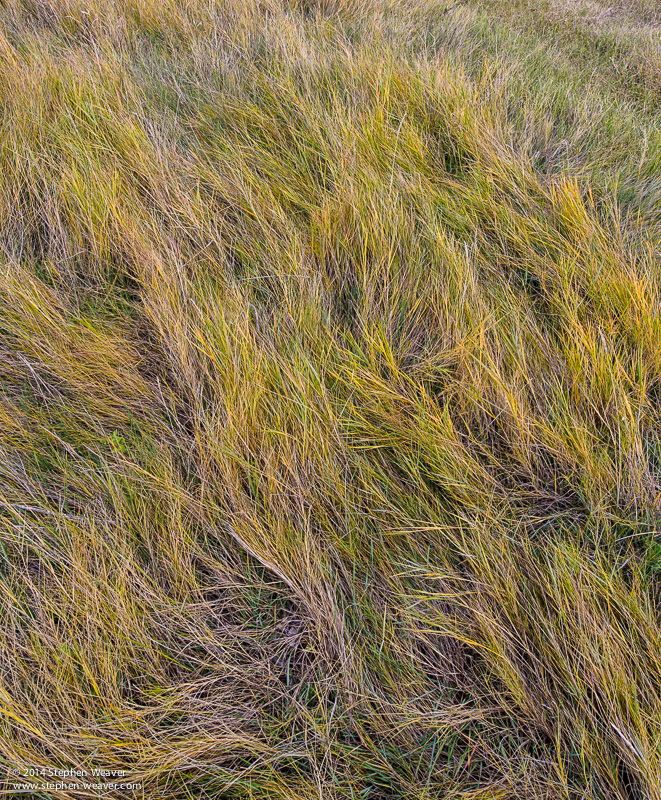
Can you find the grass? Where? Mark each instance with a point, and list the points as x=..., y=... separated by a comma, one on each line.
x=330, y=344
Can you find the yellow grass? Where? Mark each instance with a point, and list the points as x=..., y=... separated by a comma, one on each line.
x=330, y=453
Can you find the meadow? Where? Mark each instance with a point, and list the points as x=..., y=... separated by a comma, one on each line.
x=330, y=398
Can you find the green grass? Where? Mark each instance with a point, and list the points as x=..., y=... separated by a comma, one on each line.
x=330, y=356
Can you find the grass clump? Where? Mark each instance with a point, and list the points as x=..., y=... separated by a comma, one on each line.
x=331, y=447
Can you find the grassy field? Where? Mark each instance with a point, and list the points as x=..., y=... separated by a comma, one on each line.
x=330, y=398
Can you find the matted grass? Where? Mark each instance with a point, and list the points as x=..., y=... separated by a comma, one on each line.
x=330, y=347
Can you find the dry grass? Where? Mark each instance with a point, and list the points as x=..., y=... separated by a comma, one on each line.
x=330, y=343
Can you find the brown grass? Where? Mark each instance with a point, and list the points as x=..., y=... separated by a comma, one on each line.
x=330, y=462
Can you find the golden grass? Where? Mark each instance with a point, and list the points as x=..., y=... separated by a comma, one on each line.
x=330, y=462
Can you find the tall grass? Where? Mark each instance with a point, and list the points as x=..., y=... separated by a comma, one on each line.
x=330, y=344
